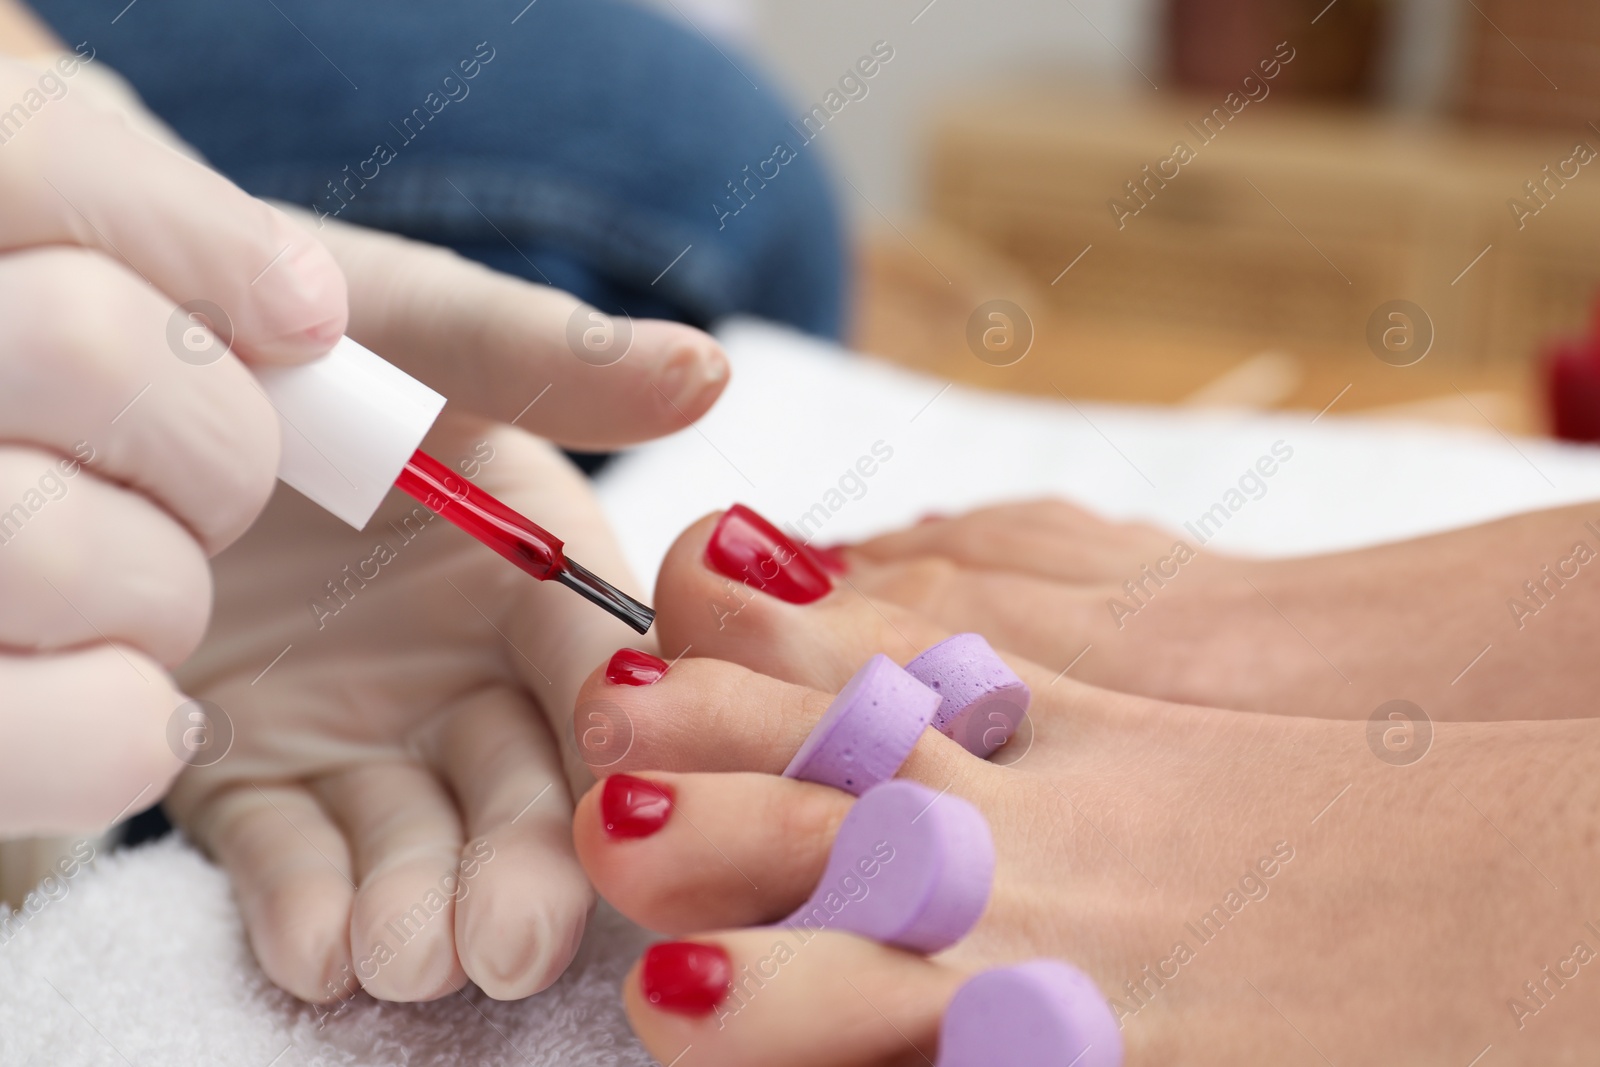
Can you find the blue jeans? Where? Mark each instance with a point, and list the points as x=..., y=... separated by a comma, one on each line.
x=589, y=144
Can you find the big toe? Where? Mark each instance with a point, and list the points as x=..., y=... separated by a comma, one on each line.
x=736, y=587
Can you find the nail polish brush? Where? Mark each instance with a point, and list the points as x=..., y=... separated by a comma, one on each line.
x=352, y=426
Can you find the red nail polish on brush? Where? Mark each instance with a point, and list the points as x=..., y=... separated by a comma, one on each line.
x=686, y=978
x=629, y=666
x=634, y=807
x=351, y=425
x=517, y=538
x=749, y=549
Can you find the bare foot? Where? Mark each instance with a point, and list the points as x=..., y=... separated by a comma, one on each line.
x=1245, y=888
x=1488, y=622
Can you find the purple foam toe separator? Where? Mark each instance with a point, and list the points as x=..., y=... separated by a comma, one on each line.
x=1038, y=1014
x=982, y=701
x=910, y=867
x=868, y=730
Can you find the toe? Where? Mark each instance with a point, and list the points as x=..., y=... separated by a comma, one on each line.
x=737, y=588
x=1046, y=621
x=701, y=715
x=682, y=853
x=1045, y=538
x=774, y=998
x=711, y=715
x=903, y=864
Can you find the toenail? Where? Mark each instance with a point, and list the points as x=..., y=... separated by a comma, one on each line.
x=982, y=701
x=749, y=549
x=629, y=666
x=634, y=807
x=1033, y=1014
x=868, y=730
x=910, y=867
x=686, y=978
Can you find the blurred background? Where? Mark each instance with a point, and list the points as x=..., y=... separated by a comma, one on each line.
x=1387, y=205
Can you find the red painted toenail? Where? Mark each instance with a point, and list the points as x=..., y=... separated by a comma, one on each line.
x=634, y=807
x=749, y=549
x=629, y=666
x=686, y=978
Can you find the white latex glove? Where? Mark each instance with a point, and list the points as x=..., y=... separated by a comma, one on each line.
x=96, y=85
x=393, y=808
x=123, y=465
x=396, y=746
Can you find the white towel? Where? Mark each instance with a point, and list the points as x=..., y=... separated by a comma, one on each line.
x=798, y=414
x=142, y=959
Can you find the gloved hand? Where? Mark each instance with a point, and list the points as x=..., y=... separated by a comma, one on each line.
x=392, y=805
x=135, y=442
x=400, y=744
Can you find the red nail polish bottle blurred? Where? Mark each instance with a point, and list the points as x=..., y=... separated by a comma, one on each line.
x=1571, y=368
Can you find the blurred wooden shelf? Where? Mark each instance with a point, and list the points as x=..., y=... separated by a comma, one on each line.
x=1282, y=236
x=908, y=314
x=1534, y=62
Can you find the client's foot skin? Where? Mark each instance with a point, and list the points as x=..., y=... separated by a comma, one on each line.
x=1262, y=882
x=1430, y=620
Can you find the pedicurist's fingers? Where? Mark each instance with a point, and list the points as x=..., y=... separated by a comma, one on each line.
x=88, y=373
x=521, y=900
x=292, y=875
x=76, y=175
x=85, y=561
x=735, y=587
x=771, y=997
x=682, y=853
x=712, y=715
x=553, y=636
x=405, y=840
x=509, y=349
x=82, y=739
x=1050, y=538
